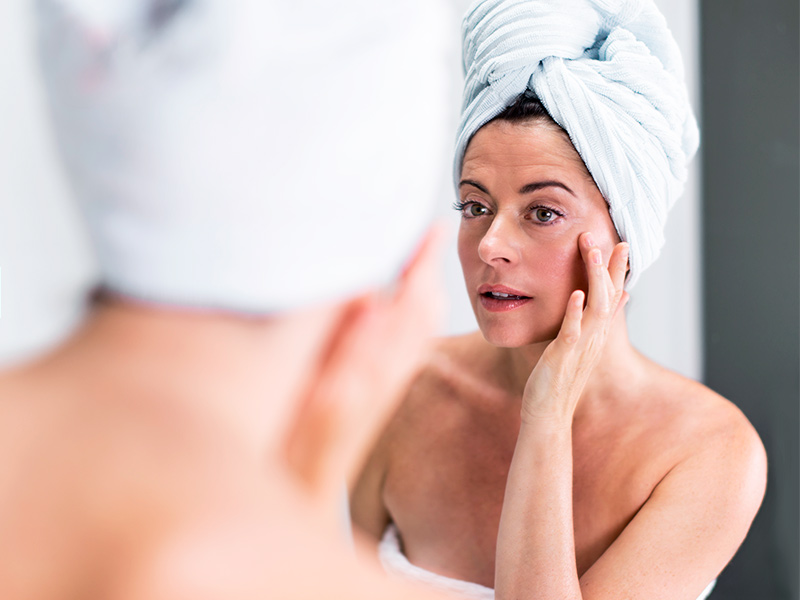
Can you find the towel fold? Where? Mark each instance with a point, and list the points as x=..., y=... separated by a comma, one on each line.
x=610, y=73
x=247, y=155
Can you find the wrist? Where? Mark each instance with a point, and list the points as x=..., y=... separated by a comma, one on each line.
x=546, y=426
x=546, y=422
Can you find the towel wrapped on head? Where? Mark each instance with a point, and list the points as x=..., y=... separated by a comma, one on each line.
x=247, y=155
x=610, y=74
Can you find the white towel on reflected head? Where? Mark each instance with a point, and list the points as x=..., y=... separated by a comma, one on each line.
x=610, y=73
x=249, y=155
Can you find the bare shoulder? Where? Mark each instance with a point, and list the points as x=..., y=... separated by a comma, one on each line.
x=430, y=402
x=719, y=447
x=456, y=384
x=27, y=423
x=457, y=368
x=701, y=411
x=94, y=470
x=709, y=469
x=98, y=450
x=38, y=487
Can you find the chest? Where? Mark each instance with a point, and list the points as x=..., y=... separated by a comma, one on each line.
x=445, y=490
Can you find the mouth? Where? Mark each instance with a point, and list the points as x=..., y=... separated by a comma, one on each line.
x=501, y=298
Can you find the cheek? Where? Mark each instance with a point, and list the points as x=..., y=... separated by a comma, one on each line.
x=608, y=239
x=604, y=232
x=467, y=251
x=559, y=268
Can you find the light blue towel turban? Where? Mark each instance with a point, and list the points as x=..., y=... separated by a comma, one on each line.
x=609, y=73
x=247, y=155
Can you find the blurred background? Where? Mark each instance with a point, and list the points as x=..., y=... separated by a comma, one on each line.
x=720, y=305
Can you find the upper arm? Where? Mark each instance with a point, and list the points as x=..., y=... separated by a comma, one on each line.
x=691, y=525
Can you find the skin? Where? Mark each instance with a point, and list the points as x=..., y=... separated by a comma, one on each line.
x=164, y=453
x=558, y=468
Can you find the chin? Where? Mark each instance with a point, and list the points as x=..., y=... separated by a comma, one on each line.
x=508, y=336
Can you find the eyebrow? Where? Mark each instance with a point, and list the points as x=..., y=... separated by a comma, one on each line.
x=525, y=189
x=473, y=184
x=532, y=187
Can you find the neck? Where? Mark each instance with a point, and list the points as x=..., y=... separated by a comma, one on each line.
x=618, y=366
x=245, y=375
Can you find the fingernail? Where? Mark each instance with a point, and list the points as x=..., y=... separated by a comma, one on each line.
x=596, y=257
x=589, y=239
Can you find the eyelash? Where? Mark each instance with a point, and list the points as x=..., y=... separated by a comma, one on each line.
x=461, y=206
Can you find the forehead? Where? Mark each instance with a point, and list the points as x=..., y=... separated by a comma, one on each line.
x=516, y=149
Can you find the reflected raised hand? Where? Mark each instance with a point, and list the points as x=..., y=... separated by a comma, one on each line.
x=555, y=384
x=380, y=343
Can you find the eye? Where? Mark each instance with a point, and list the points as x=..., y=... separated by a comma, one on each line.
x=471, y=210
x=476, y=210
x=544, y=215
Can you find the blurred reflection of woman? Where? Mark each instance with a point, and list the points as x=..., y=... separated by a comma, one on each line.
x=191, y=438
x=544, y=456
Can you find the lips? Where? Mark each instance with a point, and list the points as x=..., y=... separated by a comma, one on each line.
x=499, y=298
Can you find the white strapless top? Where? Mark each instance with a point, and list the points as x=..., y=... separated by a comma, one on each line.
x=395, y=563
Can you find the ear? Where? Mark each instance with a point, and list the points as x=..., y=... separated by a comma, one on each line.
x=378, y=345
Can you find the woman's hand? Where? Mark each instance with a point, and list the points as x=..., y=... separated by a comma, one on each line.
x=555, y=384
x=380, y=343
x=536, y=539
x=650, y=556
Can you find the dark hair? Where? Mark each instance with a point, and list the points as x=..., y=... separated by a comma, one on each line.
x=525, y=108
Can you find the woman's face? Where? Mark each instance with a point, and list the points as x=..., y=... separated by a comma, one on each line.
x=525, y=197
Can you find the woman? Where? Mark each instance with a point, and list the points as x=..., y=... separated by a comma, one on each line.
x=544, y=456
x=191, y=438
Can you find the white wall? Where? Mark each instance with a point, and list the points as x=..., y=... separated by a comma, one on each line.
x=665, y=315
x=46, y=267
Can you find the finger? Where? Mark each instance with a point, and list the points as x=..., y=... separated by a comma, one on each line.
x=378, y=347
x=600, y=286
x=379, y=326
x=427, y=254
x=570, y=331
x=418, y=288
x=623, y=301
x=618, y=265
x=314, y=445
x=416, y=309
x=408, y=323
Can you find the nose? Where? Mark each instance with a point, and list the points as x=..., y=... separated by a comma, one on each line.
x=499, y=245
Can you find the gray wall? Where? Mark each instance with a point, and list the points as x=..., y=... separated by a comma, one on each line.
x=751, y=220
